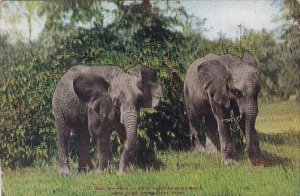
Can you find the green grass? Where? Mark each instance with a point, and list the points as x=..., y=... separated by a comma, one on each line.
x=187, y=173
x=278, y=117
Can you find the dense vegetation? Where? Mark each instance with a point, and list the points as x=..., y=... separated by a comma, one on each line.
x=186, y=173
x=163, y=39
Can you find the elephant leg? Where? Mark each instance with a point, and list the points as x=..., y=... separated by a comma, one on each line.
x=211, y=145
x=120, y=129
x=226, y=143
x=195, y=141
x=254, y=152
x=63, y=135
x=194, y=122
x=105, y=151
x=84, y=162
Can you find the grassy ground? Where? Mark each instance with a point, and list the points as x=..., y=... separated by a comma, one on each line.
x=187, y=173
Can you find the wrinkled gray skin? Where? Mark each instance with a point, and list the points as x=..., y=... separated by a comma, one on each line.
x=94, y=101
x=214, y=85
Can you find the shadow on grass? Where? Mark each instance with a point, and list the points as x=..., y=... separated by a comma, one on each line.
x=149, y=163
x=146, y=159
x=269, y=160
x=275, y=160
x=289, y=138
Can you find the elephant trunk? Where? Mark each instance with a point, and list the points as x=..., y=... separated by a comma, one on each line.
x=252, y=140
x=130, y=120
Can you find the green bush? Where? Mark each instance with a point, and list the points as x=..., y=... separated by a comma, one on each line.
x=26, y=120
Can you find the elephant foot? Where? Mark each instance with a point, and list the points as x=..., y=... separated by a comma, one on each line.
x=99, y=171
x=120, y=173
x=199, y=149
x=83, y=169
x=230, y=161
x=64, y=171
x=260, y=161
x=91, y=165
x=256, y=158
x=211, y=150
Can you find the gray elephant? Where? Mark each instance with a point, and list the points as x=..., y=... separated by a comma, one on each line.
x=214, y=86
x=94, y=101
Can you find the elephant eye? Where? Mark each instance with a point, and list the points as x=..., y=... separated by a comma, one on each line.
x=236, y=92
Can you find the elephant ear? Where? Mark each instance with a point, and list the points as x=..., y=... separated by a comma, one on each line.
x=90, y=89
x=151, y=90
x=249, y=59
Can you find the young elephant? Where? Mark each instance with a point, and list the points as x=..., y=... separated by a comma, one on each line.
x=214, y=85
x=81, y=104
x=96, y=101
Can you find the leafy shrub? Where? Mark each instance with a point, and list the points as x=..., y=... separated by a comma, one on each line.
x=26, y=119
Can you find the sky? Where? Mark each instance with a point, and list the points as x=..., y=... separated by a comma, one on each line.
x=226, y=15
x=221, y=16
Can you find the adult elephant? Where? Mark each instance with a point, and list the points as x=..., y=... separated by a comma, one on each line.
x=94, y=101
x=214, y=86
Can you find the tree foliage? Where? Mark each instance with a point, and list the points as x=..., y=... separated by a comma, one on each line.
x=27, y=132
